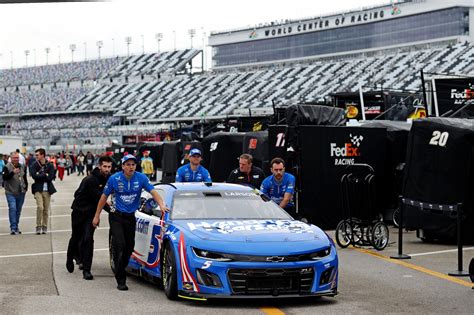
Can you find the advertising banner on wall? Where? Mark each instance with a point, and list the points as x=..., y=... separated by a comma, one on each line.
x=452, y=94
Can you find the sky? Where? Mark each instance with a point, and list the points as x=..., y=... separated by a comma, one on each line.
x=35, y=27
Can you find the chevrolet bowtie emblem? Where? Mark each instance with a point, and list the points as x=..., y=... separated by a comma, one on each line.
x=275, y=259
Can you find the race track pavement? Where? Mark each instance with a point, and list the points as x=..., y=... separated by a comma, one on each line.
x=33, y=277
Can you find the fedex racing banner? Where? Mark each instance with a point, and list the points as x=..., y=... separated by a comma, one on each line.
x=326, y=151
x=451, y=94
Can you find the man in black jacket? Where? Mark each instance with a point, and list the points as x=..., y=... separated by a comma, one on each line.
x=86, y=197
x=247, y=174
x=43, y=173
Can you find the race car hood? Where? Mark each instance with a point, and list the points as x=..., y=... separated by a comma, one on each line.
x=256, y=231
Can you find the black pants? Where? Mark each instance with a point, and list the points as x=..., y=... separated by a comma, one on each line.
x=291, y=210
x=122, y=229
x=81, y=244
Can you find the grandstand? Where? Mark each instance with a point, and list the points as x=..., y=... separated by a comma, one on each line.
x=50, y=74
x=101, y=100
x=220, y=94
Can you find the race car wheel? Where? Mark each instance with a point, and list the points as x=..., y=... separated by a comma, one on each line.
x=343, y=234
x=111, y=254
x=169, y=273
x=380, y=236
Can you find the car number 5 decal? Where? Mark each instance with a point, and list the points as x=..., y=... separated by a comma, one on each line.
x=206, y=264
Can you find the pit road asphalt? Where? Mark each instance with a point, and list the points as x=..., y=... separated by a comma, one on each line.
x=33, y=277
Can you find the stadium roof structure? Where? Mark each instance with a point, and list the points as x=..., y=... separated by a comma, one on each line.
x=391, y=26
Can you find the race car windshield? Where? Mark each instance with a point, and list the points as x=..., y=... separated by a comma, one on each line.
x=225, y=206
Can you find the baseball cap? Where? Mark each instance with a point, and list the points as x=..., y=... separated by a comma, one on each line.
x=128, y=157
x=195, y=151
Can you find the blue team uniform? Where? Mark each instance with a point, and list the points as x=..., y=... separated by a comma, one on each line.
x=126, y=193
x=185, y=174
x=276, y=190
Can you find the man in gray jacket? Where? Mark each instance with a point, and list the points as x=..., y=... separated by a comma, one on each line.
x=16, y=185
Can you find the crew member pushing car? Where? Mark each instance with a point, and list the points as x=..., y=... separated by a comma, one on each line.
x=246, y=174
x=86, y=197
x=125, y=188
x=280, y=186
x=193, y=171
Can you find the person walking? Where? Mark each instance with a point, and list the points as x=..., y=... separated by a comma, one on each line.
x=193, y=171
x=80, y=164
x=43, y=174
x=86, y=198
x=147, y=164
x=16, y=185
x=2, y=165
x=125, y=188
x=61, y=164
x=69, y=165
x=89, y=163
x=21, y=157
x=247, y=174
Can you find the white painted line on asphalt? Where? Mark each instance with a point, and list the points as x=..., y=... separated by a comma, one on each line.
x=46, y=253
x=440, y=252
x=54, y=231
x=34, y=207
x=29, y=218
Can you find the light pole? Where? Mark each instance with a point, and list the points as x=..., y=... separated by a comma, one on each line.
x=174, y=40
x=143, y=44
x=99, y=44
x=72, y=47
x=85, y=51
x=47, y=50
x=59, y=54
x=158, y=37
x=204, y=55
x=128, y=41
x=27, y=52
x=191, y=33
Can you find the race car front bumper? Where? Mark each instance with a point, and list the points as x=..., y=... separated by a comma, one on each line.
x=204, y=296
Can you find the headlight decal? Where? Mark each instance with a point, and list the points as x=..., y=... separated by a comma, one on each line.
x=189, y=283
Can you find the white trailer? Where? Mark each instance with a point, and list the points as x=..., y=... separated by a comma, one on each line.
x=9, y=144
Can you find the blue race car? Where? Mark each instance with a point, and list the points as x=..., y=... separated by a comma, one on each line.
x=230, y=241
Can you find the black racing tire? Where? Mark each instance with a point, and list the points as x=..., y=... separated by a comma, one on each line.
x=344, y=234
x=168, y=274
x=380, y=235
x=111, y=254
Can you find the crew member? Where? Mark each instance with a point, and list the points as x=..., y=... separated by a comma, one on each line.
x=86, y=197
x=125, y=188
x=280, y=186
x=193, y=171
x=246, y=174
